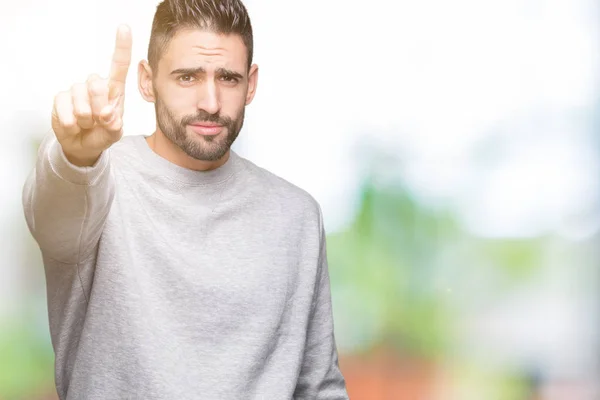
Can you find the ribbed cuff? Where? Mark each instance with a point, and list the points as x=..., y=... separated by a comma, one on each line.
x=74, y=174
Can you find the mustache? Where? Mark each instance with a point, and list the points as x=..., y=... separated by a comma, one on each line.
x=203, y=116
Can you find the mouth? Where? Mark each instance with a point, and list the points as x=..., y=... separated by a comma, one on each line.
x=206, y=128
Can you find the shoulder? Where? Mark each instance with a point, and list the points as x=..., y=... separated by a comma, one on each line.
x=282, y=193
x=125, y=146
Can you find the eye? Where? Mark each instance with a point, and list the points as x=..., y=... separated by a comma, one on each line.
x=229, y=79
x=186, y=78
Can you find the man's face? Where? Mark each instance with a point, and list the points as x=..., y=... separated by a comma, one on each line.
x=201, y=89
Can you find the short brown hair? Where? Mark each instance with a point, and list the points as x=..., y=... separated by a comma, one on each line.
x=219, y=16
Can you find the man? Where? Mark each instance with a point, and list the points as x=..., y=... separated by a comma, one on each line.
x=175, y=268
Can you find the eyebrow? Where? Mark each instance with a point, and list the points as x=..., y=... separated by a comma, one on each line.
x=200, y=70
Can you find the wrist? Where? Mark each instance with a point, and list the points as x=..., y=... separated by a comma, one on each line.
x=83, y=160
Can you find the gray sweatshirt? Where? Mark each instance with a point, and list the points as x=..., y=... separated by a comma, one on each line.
x=168, y=283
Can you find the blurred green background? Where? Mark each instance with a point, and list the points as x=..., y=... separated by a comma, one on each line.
x=454, y=149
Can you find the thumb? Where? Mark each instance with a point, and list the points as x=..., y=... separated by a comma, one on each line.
x=111, y=120
x=107, y=115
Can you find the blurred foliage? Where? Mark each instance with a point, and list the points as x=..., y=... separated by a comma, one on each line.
x=27, y=366
x=400, y=268
x=472, y=381
x=387, y=259
x=518, y=258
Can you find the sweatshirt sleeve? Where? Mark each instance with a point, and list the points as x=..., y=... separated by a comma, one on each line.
x=65, y=205
x=320, y=376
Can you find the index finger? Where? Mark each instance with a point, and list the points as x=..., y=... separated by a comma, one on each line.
x=121, y=58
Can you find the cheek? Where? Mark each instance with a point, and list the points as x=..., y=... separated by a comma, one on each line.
x=182, y=99
x=233, y=103
x=176, y=98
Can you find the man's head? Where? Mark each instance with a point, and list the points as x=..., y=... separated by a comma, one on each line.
x=200, y=73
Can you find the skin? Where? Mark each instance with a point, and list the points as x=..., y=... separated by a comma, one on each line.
x=201, y=78
x=88, y=118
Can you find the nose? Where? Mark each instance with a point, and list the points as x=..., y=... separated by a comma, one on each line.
x=208, y=98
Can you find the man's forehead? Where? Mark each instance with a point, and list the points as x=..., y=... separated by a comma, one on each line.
x=194, y=46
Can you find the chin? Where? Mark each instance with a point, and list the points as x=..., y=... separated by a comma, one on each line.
x=206, y=150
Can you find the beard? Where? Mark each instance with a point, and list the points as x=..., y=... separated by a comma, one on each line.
x=204, y=148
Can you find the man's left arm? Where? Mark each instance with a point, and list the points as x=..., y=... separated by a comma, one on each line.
x=320, y=377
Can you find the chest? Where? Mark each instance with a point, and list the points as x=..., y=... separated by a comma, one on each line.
x=231, y=266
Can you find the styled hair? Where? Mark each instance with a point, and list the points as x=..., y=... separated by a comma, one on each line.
x=218, y=16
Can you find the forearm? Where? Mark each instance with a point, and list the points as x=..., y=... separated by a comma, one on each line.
x=65, y=205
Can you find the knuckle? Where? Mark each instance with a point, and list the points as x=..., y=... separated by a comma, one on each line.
x=61, y=96
x=82, y=109
x=98, y=88
x=93, y=77
x=69, y=127
x=77, y=88
x=80, y=94
x=67, y=121
x=83, y=115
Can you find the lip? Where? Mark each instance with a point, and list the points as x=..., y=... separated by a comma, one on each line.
x=207, y=129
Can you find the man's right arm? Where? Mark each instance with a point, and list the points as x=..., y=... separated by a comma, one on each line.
x=66, y=205
x=69, y=193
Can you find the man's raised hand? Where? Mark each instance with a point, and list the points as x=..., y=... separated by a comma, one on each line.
x=88, y=118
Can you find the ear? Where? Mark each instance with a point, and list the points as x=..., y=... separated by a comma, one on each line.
x=252, y=82
x=145, y=85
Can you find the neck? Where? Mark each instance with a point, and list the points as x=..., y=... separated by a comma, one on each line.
x=168, y=150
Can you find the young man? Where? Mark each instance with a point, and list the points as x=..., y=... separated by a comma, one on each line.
x=175, y=268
